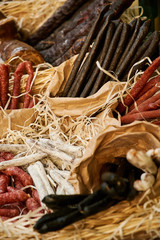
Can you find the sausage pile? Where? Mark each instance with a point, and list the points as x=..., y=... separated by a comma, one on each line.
x=59, y=44
x=14, y=200
x=142, y=102
x=117, y=47
x=4, y=86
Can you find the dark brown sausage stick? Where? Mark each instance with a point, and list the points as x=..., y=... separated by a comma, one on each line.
x=83, y=51
x=92, y=78
x=148, y=53
x=82, y=75
x=130, y=43
x=143, y=31
x=119, y=50
x=108, y=58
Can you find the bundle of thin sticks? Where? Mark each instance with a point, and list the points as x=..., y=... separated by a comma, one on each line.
x=117, y=47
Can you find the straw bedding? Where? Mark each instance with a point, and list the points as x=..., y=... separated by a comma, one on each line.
x=126, y=220
x=123, y=221
x=136, y=222
x=30, y=14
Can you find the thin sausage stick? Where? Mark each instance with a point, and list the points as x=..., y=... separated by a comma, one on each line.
x=16, y=85
x=40, y=179
x=96, y=70
x=76, y=151
x=29, y=69
x=83, y=51
x=33, y=102
x=142, y=49
x=79, y=81
x=118, y=51
x=154, y=105
x=156, y=122
x=149, y=53
x=149, y=104
x=143, y=31
x=4, y=84
x=145, y=96
x=14, y=196
x=130, y=43
x=129, y=118
x=108, y=58
x=149, y=85
x=128, y=100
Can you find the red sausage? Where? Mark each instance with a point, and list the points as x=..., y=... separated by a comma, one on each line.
x=7, y=155
x=146, y=96
x=29, y=69
x=18, y=205
x=2, y=159
x=10, y=189
x=129, y=118
x=129, y=99
x=13, y=196
x=32, y=204
x=4, y=182
x=149, y=104
x=4, y=83
x=33, y=102
x=17, y=183
x=4, y=218
x=35, y=195
x=16, y=85
x=24, y=177
x=9, y=212
x=153, y=82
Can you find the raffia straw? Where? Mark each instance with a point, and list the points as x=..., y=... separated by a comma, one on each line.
x=43, y=74
x=109, y=224
x=30, y=14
